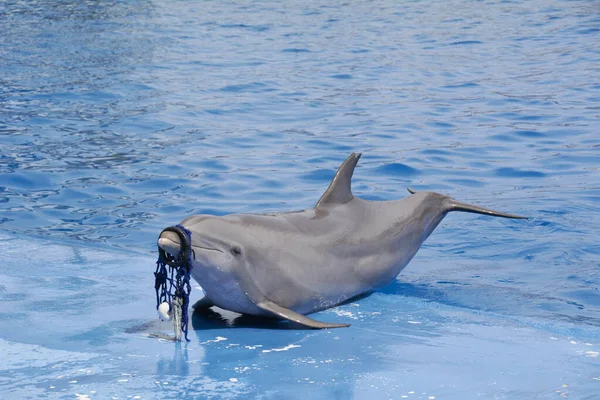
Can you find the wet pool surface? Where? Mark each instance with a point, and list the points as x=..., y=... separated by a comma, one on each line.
x=119, y=118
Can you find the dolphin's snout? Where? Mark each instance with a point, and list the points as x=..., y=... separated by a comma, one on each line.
x=169, y=242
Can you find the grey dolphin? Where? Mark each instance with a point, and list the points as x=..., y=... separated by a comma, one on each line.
x=295, y=263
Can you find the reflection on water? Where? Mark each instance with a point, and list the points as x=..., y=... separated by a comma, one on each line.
x=177, y=365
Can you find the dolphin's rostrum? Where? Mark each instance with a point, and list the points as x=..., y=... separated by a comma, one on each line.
x=295, y=263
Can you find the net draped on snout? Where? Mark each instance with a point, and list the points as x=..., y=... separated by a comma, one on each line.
x=172, y=280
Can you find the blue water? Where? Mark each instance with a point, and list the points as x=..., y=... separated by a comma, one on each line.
x=119, y=118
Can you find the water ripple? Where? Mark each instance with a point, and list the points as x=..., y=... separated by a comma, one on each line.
x=120, y=118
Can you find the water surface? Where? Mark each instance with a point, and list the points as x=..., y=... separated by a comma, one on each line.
x=118, y=118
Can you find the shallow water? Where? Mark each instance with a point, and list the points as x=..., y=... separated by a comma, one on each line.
x=119, y=118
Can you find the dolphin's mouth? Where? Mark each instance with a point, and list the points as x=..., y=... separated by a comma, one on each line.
x=170, y=242
x=174, y=246
x=207, y=248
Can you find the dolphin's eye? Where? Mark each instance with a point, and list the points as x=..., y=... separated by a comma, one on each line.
x=236, y=251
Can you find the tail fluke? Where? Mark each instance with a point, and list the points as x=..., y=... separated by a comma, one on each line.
x=453, y=205
x=458, y=206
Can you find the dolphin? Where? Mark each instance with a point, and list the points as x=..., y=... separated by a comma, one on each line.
x=290, y=264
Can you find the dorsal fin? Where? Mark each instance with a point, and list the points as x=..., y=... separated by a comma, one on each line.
x=339, y=190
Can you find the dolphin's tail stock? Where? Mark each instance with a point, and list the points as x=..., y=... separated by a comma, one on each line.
x=453, y=205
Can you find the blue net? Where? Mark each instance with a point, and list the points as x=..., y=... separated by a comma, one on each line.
x=172, y=282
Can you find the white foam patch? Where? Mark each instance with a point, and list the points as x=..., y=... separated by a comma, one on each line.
x=343, y=313
x=215, y=340
x=286, y=348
